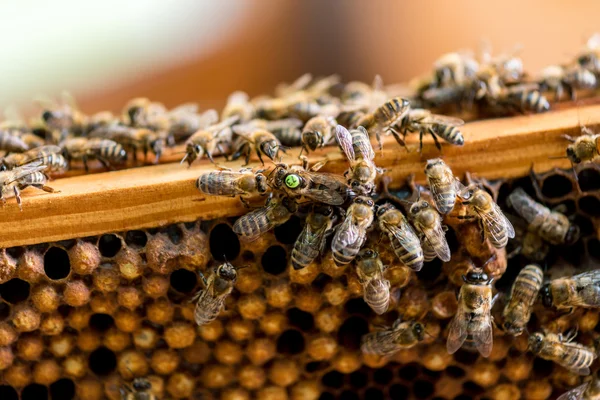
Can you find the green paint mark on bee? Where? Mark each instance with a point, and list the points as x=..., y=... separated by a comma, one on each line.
x=292, y=181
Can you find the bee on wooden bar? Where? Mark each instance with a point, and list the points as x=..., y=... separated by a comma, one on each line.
x=140, y=389
x=19, y=178
x=402, y=335
x=523, y=98
x=238, y=104
x=286, y=130
x=554, y=347
x=258, y=222
x=384, y=117
x=65, y=117
x=584, y=148
x=403, y=239
x=551, y=226
x=132, y=139
x=104, y=150
x=442, y=183
x=523, y=294
x=428, y=224
x=590, y=390
x=318, y=132
x=473, y=320
x=376, y=289
x=50, y=156
x=454, y=69
x=259, y=140
x=210, y=301
x=311, y=241
x=351, y=234
x=184, y=121
x=493, y=224
x=243, y=183
x=207, y=140
x=359, y=152
x=424, y=121
x=589, y=56
x=559, y=79
x=581, y=290
x=11, y=142
x=141, y=112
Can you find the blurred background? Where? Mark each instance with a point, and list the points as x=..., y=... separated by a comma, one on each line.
x=201, y=50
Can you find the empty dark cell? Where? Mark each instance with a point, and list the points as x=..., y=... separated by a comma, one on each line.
x=4, y=311
x=351, y=332
x=136, y=238
x=452, y=240
x=274, y=261
x=333, y=379
x=431, y=271
x=15, y=252
x=423, y=389
x=374, y=394
x=455, y=372
x=408, y=372
x=348, y=395
x=34, y=392
x=189, y=225
x=67, y=244
x=575, y=254
x=472, y=388
x=102, y=361
x=224, y=243
x=300, y=319
x=109, y=245
x=358, y=379
x=326, y=396
x=586, y=227
x=183, y=280
x=589, y=179
x=383, y=376
x=62, y=389
x=590, y=205
x=463, y=397
x=315, y=366
x=593, y=246
x=101, y=322
x=398, y=392
x=56, y=263
x=556, y=186
x=290, y=342
x=15, y=291
x=542, y=368
x=248, y=255
x=512, y=270
x=288, y=232
x=526, y=184
x=358, y=306
x=64, y=310
x=320, y=281
x=432, y=374
x=465, y=357
x=174, y=233
x=8, y=393
x=503, y=193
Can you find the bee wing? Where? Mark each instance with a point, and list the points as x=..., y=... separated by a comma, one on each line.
x=68, y=99
x=496, y=222
x=438, y=236
x=403, y=233
x=574, y=394
x=378, y=83
x=238, y=97
x=457, y=333
x=284, y=123
x=185, y=108
x=523, y=87
x=588, y=278
x=382, y=343
x=364, y=146
x=347, y=233
x=208, y=118
x=344, y=139
x=314, y=238
x=484, y=339
x=442, y=119
x=35, y=154
x=261, y=213
x=23, y=171
x=327, y=196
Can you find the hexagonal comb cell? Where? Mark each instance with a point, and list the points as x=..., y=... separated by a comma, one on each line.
x=82, y=318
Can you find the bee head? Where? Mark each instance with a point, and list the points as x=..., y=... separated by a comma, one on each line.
x=367, y=253
x=535, y=342
x=364, y=200
x=227, y=271
x=572, y=234
x=261, y=183
x=133, y=113
x=323, y=209
x=141, y=384
x=290, y=204
x=572, y=155
x=270, y=148
x=418, y=330
x=512, y=329
x=47, y=115
x=157, y=146
x=432, y=163
x=546, y=296
x=313, y=139
x=475, y=278
x=383, y=208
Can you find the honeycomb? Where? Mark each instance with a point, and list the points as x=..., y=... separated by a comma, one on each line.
x=79, y=318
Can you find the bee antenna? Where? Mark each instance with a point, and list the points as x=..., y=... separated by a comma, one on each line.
x=184, y=158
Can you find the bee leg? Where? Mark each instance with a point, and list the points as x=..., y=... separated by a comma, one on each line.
x=203, y=278
x=421, y=141
x=134, y=156
x=244, y=202
x=435, y=139
x=18, y=197
x=400, y=140
x=569, y=138
x=85, y=164
x=105, y=163
x=259, y=157
x=559, y=92
x=209, y=155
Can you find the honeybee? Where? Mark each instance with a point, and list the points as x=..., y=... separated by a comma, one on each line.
x=286, y=130
x=276, y=211
x=308, y=109
x=581, y=290
x=184, y=121
x=318, y=132
x=297, y=181
x=357, y=148
x=442, y=183
x=238, y=104
x=11, y=142
x=271, y=108
x=524, y=98
x=351, y=234
x=244, y=183
x=583, y=148
x=384, y=117
x=261, y=140
x=554, y=347
x=403, y=239
x=454, y=69
x=493, y=223
x=349, y=119
x=19, y=178
x=376, y=289
x=473, y=321
x=141, y=112
x=50, y=156
x=589, y=57
x=424, y=121
x=311, y=241
x=207, y=140
x=551, y=226
x=523, y=294
x=63, y=118
x=590, y=390
x=284, y=89
x=210, y=301
x=140, y=389
x=402, y=335
x=560, y=78
x=132, y=139
x=104, y=150
x=365, y=96
x=428, y=225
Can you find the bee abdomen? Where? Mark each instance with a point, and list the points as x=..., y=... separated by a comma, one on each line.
x=12, y=143
x=214, y=183
x=579, y=358
x=534, y=101
x=530, y=278
x=55, y=162
x=34, y=178
x=250, y=226
x=377, y=295
x=411, y=257
x=445, y=201
x=450, y=134
x=428, y=252
x=303, y=255
x=345, y=254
